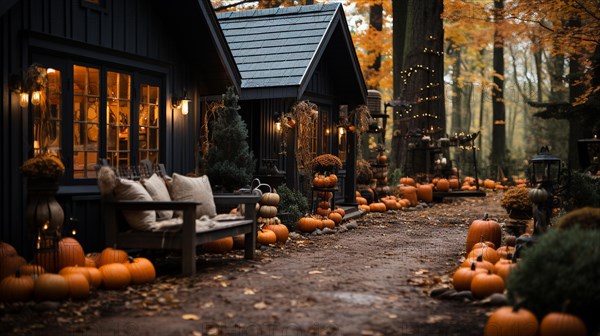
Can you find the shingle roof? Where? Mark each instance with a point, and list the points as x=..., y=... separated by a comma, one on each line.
x=274, y=47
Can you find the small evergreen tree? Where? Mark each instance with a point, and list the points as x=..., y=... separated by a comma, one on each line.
x=230, y=162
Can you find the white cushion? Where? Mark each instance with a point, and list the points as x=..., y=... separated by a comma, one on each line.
x=183, y=188
x=158, y=191
x=134, y=191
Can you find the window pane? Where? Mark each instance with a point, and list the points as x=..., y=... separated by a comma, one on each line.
x=86, y=122
x=118, y=116
x=48, y=115
x=149, y=123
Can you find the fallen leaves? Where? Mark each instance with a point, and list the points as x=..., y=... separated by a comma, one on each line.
x=190, y=317
x=260, y=305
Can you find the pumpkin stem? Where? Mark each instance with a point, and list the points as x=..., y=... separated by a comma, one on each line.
x=473, y=266
x=485, y=216
x=480, y=258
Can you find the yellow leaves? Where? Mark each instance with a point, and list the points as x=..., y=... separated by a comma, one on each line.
x=190, y=317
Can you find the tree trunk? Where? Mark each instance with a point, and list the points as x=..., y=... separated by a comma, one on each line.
x=400, y=16
x=376, y=21
x=498, y=108
x=422, y=81
x=457, y=93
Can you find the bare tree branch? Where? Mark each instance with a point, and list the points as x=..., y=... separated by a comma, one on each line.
x=235, y=4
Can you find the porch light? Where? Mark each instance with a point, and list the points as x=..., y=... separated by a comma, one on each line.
x=341, y=130
x=24, y=99
x=36, y=97
x=545, y=168
x=182, y=103
x=278, y=126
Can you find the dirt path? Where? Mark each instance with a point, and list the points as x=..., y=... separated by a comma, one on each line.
x=372, y=280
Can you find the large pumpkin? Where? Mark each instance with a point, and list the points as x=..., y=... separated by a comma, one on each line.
x=142, y=271
x=222, y=245
x=483, y=230
x=95, y=276
x=509, y=321
x=115, y=276
x=75, y=270
x=50, y=287
x=32, y=269
x=16, y=288
x=308, y=224
x=112, y=255
x=558, y=324
x=70, y=253
x=409, y=193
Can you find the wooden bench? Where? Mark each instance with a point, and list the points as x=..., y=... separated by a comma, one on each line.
x=118, y=232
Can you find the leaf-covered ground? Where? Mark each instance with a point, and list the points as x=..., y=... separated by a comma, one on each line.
x=373, y=279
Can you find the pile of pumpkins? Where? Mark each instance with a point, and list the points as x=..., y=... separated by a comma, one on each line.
x=71, y=274
x=324, y=180
x=486, y=267
x=310, y=223
x=271, y=230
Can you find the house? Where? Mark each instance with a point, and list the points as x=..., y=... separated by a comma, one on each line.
x=116, y=73
x=289, y=55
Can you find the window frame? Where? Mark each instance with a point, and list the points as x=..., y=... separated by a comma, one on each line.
x=139, y=76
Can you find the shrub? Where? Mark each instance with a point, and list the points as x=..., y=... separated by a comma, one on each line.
x=560, y=271
x=292, y=206
x=583, y=190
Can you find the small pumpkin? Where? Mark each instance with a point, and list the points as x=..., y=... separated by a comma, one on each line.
x=31, y=269
x=89, y=262
x=454, y=183
x=16, y=288
x=490, y=184
x=323, y=212
x=336, y=217
x=50, y=287
x=222, y=245
x=341, y=211
x=487, y=253
x=142, y=271
x=281, y=231
x=408, y=181
x=479, y=263
x=486, y=284
x=308, y=224
x=115, y=276
x=503, y=268
x=484, y=244
x=95, y=276
x=267, y=211
x=558, y=324
x=538, y=195
x=79, y=286
x=509, y=321
x=75, y=269
x=266, y=237
x=361, y=200
x=442, y=185
x=112, y=255
x=505, y=252
x=270, y=198
x=328, y=223
x=461, y=279
x=377, y=207
x=364, y=207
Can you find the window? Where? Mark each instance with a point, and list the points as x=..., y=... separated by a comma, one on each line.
x=148, y=123
x=118, y=119
x=86, y=120
x=49, y=109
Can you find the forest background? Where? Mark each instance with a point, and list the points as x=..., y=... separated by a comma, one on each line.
x=523, y=73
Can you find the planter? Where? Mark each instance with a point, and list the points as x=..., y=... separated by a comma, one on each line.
x=519, y=213
x=45, y=217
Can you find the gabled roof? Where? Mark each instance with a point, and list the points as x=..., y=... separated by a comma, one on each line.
x=279, y=49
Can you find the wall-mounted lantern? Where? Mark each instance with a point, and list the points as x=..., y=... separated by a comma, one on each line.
x=182, y=103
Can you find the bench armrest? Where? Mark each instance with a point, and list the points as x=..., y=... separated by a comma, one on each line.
x=153, y=205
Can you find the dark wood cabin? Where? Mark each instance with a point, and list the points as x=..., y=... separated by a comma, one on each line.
x=292, y=54
x=125, y=58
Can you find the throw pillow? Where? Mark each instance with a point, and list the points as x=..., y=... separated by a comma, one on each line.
x=158, y=191
x=134, y=191
x=184, y=188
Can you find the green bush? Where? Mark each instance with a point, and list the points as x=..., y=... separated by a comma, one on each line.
x=292, y=206
x=583, y=190
x=561, y=270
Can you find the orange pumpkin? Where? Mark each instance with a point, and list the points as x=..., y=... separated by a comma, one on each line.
x=509, y=321
x=31, y=269
x=70, y=253
x=461, y=279
x=79, y=286
x=281, y=231
x=487, y=253
x=341, y=211
x=112, y=255
x=323, y=212
x=442, y=185
x=328, y=223
x=484, y=244
x=336, y=217
x=555, y=324
x=115, y=276
x=377, y=207
x=95, y=276
x=361, y=200
x=308, y=224
x=479, y=263
x=50, y=287
x=409, y=193
x=505, y=252
x=490, y=184
x=16, y=288
x=364, y=207
x=425, y=193
x=454, y=183
x=486, y=284
x=142, y=271
x=222, y=245
x=408, y=181
x=9, y=264
x=503, y=268
x=7, y=250
x=483, y=229
x=266, y=237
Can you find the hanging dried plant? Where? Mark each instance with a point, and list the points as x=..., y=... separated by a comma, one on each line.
x=305, y=114
x=362, y=118
x=286, y=121
x=210, y=113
